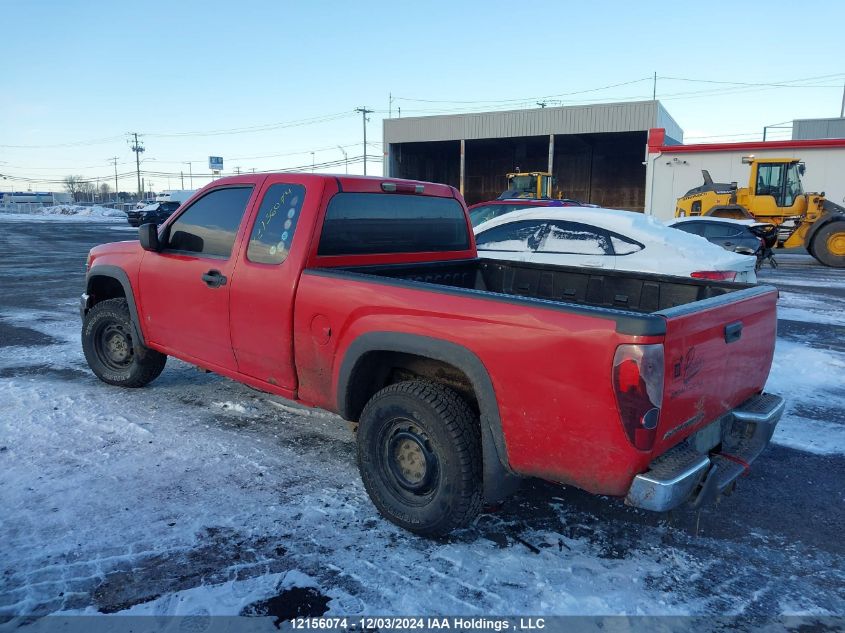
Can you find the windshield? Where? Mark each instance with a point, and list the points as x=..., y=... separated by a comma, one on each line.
x=524, y=184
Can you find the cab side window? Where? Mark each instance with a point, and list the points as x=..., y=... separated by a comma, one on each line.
x=275, y=224
x=209, y=226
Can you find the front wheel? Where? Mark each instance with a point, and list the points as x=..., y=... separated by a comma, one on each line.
x=111, y=348
x=419, y=454
x=828, y=245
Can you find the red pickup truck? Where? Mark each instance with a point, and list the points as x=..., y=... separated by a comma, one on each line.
x=365, y=297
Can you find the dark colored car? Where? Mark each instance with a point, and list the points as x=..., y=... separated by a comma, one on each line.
x=484, y=211
x=741, y=236
x=154, y=213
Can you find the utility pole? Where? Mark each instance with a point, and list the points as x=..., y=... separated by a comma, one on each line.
x=389, y=105
x=542, y=104
x=312, y=162
x=364, y=112
x=113, y=160
x=237, y=171
x=654, y=89
x=182, y=178
x=137, y=148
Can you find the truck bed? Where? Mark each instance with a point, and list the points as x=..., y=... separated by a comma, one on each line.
x=624, y=290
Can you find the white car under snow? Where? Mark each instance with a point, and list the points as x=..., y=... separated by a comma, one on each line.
x=607, y=239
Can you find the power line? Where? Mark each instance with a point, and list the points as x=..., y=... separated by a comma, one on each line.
x=528, y=99
x=256, y=128
x=242, y=130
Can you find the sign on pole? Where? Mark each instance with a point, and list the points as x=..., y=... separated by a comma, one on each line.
x=215, y=163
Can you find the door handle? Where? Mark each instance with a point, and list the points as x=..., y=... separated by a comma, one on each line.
x=214, y=279
x=733, y=332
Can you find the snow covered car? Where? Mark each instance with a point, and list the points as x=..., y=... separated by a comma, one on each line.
x=608, y=239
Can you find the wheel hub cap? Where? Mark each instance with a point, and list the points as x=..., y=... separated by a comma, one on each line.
x=836, y=244
x=410, y=460
x=117, y=347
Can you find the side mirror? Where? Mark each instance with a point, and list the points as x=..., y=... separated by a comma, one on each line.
x=801, y=168
x=148, y=234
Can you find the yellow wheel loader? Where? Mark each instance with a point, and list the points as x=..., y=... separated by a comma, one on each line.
x=775, y=195
x=536, y=185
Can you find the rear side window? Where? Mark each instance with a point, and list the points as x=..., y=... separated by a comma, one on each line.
x=694, y=228
x=576, y=238
x=370, y=223
x=715, y=229
x=275, y=224
x=208, y=227
x=624, y=245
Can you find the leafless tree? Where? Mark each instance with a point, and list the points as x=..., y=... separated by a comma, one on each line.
x=105, y=190
x=73, y=184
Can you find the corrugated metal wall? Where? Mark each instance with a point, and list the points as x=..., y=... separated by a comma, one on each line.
x=598, y=154
x=636, y=116
x=805, y=129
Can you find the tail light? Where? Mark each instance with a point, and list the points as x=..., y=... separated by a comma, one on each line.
x=715, y=275
x=402, y=187
x=638, y=381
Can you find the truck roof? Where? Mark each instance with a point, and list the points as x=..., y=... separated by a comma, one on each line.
x=351, y=183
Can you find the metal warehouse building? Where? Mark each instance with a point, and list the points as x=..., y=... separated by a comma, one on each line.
x=596, y=152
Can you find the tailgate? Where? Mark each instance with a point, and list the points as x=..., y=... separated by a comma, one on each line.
x=718, y=353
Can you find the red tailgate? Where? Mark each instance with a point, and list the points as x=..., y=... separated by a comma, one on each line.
x=718, y=353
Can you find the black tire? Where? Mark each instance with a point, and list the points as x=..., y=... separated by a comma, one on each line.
x=111, y=350
x=831, y=235
x=419, y=454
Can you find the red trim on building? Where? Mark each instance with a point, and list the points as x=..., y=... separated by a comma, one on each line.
x=657, y=136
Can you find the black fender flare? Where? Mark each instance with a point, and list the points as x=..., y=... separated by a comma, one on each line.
x=499, y=479
x=119, y=275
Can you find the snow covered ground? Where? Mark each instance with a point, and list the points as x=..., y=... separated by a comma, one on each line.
x=62, y=213
x=200, y=496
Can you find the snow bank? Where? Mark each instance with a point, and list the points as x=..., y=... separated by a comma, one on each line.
x=64, y=212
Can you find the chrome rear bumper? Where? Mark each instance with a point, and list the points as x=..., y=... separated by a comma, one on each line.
x=684, y=474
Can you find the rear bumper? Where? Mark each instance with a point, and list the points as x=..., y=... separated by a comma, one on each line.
x=684, y=474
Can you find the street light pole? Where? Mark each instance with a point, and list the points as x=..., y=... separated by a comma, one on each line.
x=345, y=159
x=191, y=172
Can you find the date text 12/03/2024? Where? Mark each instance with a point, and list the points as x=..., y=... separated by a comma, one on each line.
x=419, y=623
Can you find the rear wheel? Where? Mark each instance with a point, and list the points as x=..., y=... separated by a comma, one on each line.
x=111, y=348
x=828, y=245
x=419, y=453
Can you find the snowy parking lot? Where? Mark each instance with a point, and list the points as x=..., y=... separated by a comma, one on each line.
x=197, y=495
